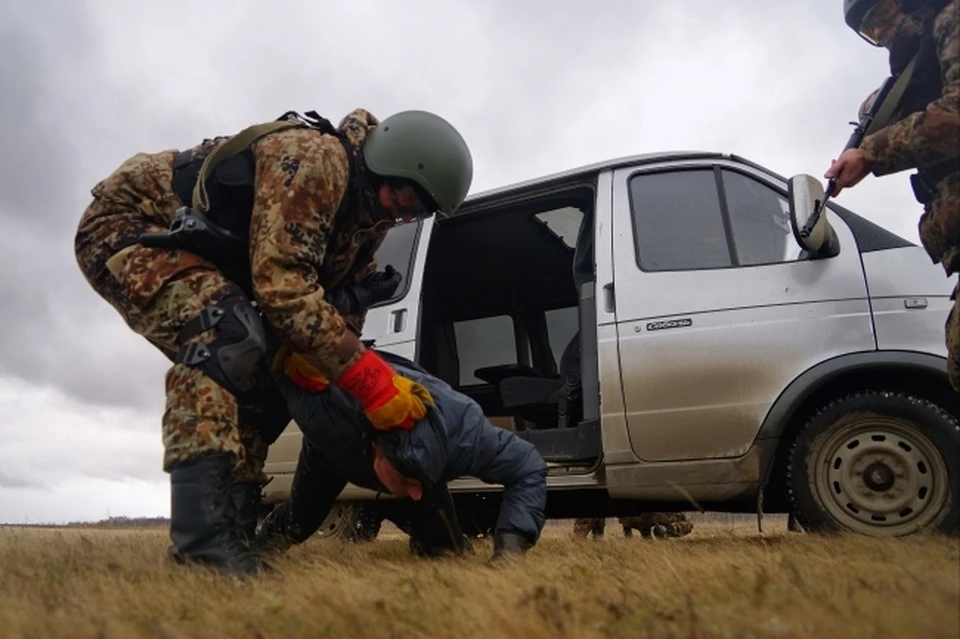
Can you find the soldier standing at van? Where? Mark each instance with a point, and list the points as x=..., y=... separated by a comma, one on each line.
x=655, y=524
x=276, y=215
x=925, y=135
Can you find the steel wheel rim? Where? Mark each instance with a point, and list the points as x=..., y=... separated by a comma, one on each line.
x=336, y=520
x=881, y=476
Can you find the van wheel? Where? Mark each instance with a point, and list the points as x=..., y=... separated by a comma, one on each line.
x=879, y=463
x=350, y=521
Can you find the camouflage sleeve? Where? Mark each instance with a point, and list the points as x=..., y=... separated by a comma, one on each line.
x=301, y=178
x=932, y=135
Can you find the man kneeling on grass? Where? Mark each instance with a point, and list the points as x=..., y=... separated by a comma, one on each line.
x=454, y=439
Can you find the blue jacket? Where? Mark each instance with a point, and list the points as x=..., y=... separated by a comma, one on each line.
x=454, y=440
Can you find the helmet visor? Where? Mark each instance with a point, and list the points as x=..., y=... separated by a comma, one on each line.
x=880, y=18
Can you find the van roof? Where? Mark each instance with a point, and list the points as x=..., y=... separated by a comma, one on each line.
x=870, y=236
x=579, y=172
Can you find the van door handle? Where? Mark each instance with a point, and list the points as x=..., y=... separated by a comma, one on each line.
x=609, y=298
x=398, y=320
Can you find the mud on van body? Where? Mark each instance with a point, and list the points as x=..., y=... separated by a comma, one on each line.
x=654, y=327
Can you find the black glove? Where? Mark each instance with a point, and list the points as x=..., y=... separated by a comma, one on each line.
x=376, y=287
x=509, y=545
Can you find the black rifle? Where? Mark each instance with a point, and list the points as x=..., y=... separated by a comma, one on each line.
x=853, y=142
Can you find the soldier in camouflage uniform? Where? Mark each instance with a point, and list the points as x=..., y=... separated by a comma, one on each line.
x=309, y=204
x=647, y=524
x=924, y=133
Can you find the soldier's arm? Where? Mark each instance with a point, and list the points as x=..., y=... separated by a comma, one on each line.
x=301, y=178
x=932, y=135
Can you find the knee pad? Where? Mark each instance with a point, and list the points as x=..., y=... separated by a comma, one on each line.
x=233, y=359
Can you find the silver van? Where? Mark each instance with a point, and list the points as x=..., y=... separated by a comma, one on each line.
x=663, y=333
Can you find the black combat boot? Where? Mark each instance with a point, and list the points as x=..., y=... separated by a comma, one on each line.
x=205, y=524
x=246, y=499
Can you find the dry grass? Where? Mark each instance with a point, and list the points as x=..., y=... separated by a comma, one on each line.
x=721, y=581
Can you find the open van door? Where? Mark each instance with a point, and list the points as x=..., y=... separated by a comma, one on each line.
x=393, y=323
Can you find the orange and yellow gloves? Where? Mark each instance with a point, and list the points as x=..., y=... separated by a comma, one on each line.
x=389, y=400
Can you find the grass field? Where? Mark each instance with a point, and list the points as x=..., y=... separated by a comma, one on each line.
x=720, y=581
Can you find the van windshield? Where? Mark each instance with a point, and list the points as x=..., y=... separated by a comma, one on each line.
x=398, y=250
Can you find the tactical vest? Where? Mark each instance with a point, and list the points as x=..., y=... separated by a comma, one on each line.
x=925, y=86
x=226, y=194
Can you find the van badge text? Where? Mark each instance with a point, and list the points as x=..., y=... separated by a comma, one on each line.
x=665, y=324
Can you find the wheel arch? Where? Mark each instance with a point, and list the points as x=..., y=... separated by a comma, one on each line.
x=916, y=373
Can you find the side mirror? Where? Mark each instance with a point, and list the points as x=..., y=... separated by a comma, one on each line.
x=808, y=213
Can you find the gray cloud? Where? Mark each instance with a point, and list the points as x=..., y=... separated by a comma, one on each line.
x=17, y=481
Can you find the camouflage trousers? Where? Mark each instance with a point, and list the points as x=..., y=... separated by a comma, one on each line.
x=671, y=524
x=156, y=292
x=952, y=334
x=940, y=235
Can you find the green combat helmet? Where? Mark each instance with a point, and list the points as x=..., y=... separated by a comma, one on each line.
x=865, y=17
x=426, y=149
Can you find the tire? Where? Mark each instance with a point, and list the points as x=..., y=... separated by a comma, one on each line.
x=879, y=463
x=350, y=521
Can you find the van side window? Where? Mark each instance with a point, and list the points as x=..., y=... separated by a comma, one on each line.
x=689, y=219
x=760, y=219
x=678, y=224
x=489, y=341
x=398, y=249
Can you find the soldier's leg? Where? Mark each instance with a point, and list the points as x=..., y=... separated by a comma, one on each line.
x=213, y=448
x=597, y=526
x=680, y=525
x=158, y=293
x=581, y=527
x=952, y=338
x=662, y=524
x=259, y=426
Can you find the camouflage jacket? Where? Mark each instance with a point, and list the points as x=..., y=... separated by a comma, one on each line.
x=298, y=249
x=929, y=136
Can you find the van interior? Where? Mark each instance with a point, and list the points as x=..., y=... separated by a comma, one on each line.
x=508, y=318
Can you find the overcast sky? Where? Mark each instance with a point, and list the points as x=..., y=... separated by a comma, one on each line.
x=534, y=86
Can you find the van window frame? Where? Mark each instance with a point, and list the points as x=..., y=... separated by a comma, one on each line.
x=405, y=284
x=717, y=169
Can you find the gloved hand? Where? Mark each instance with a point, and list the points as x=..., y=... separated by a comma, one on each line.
x=298, y=369
x=389, y=400
x=375, y=288
x=509, y=545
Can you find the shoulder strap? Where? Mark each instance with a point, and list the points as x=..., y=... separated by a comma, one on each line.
x=229, y=147
x=892, y=100
x=248, y=136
